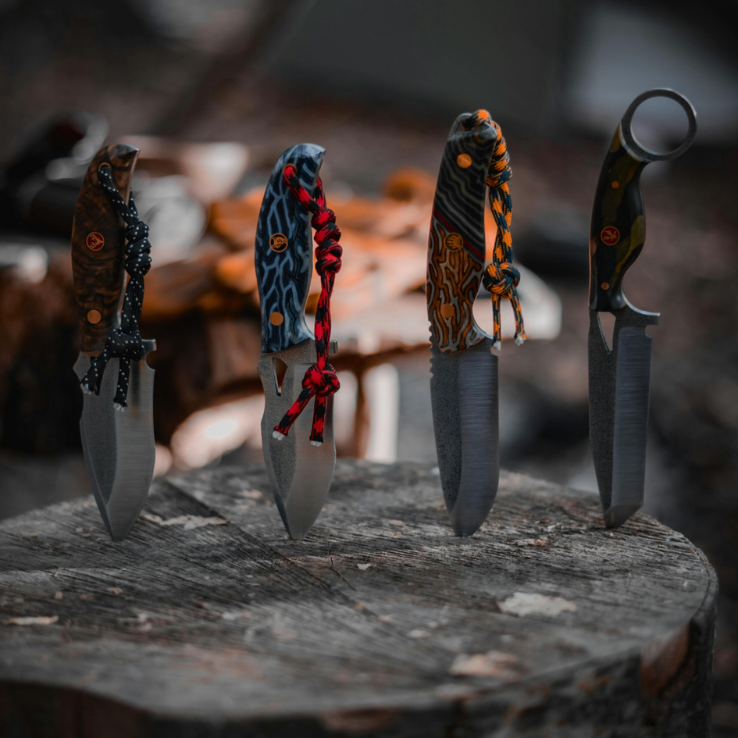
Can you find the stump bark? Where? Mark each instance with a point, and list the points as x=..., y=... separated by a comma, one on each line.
x=208, y=621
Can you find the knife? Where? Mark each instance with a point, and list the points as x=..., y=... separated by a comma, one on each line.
x=118, y=445
x=464, y=391
x=300, y=471
x=619, y=377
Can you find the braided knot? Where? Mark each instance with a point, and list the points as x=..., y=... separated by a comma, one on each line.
x=499, y=170
x=501, y=279
x=126, y=345
x=137, y=232
x=138, y=249
x=321, y=382
x=328, y=257
x=327, y=234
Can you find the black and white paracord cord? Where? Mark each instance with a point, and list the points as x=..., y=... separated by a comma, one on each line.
x=124, y=343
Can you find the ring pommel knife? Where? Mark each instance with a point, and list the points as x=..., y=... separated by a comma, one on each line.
x=116, y=424
x=619, y=376
x=464, y=391
x=300, y=471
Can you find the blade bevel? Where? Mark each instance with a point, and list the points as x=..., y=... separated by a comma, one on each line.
x=619, y=386
x=119, y=446
x=300, y=473
x=464, y=399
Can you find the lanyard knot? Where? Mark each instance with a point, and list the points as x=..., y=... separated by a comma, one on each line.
x=321, y=382
x=501, y=279
x=138, y=249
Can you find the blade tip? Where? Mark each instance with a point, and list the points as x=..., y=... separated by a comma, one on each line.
x=620, y=514
x=297, y=529
x=297, y=535
x=114, y=533
x=118, y=533
x=466, y=530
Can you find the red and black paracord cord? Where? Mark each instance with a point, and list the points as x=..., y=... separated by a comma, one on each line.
x=320, y=379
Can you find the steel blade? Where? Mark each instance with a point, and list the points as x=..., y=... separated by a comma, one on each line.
x=619, y=385
x=300, y=473
x=119, y=446
x=464, y=398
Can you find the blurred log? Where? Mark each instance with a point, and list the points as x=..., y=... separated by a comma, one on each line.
x=207, y=621
x=40, y=401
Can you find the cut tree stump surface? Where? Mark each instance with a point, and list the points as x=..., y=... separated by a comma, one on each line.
x=208, y=621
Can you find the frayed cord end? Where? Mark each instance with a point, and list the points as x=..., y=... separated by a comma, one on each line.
x=276, y=434
x=520, y=340
x=316, y=443
x=497, y=345
x=120, y=408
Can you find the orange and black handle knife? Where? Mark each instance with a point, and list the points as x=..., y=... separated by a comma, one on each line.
x=118, y=442
x=619, y=376
x=464, y=385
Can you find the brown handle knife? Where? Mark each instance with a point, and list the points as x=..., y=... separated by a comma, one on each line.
x=98, y=248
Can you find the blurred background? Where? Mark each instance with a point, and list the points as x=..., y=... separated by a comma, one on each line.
x=213, y=91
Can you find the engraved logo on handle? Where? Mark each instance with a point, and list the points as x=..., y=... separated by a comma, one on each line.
x=278, y=242
x=95, y=241
x=453, y=241
x=610, y=235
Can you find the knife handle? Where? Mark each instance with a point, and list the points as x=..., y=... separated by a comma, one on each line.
x=98, y=248
x=618, y=228
x=284, y=251
x=456, y=244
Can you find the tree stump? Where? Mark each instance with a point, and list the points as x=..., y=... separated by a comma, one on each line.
x=208, y=621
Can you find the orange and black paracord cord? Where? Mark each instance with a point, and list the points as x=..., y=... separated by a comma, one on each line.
x=500, y=278
x=320, y=379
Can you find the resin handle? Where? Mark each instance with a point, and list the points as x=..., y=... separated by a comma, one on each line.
x=284, y=252
x=98, y=248
x=456, y=244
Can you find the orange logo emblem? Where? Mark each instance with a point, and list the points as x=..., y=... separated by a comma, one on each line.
x=453, y=241
x=610, y=235
x=278, y=242
x=95, y=241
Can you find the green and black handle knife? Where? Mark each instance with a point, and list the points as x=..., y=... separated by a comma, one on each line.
x=619, y=376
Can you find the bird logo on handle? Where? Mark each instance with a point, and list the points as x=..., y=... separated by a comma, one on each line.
x=610, y=235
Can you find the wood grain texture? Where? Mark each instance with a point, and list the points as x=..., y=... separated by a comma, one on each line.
x=99, y=274
x=208, y=621
x=456, y=243
x=618, y=228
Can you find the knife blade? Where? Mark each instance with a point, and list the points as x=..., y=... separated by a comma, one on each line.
x=464, y=389
x=300, y=472
x=619, y=376
x=118, y=447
